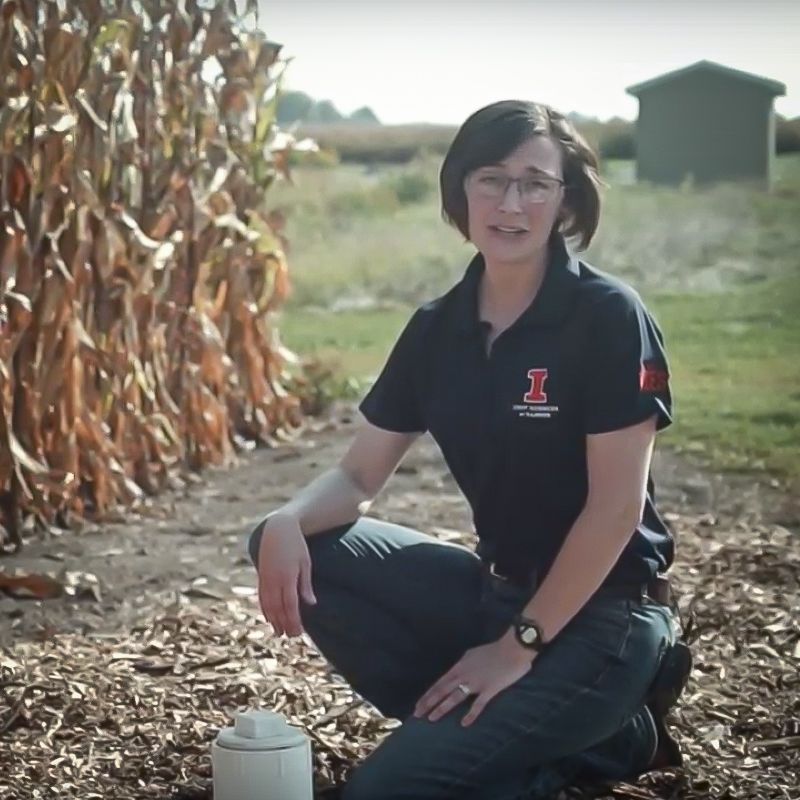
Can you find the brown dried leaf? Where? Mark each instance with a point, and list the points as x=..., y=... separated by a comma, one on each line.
x=41, y=587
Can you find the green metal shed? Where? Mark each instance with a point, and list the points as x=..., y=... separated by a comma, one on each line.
x=708, y=123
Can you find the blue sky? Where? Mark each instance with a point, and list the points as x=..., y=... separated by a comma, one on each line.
x=437, y=61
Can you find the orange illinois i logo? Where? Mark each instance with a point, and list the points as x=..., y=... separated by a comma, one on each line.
x=652, y=378
x=536, y=392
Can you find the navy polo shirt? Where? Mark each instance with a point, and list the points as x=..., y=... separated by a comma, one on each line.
x=585, y=357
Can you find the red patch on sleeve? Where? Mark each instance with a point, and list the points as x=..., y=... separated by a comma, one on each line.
x=653, y=379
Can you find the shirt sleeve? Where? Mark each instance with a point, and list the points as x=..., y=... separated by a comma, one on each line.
x=628, y=373
x=394, y=401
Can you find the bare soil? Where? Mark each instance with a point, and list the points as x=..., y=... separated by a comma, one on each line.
x=739, y=564
x=197, y=533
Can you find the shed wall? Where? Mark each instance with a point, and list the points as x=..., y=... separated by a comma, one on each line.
x=707, y=126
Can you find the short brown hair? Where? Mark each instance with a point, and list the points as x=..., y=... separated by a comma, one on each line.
x=492, y=133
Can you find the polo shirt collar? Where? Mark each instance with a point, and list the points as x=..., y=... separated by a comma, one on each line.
x=552, y=301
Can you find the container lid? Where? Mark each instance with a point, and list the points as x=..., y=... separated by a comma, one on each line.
x=260, y=730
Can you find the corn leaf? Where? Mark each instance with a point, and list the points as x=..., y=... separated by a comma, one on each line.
x=139, y=257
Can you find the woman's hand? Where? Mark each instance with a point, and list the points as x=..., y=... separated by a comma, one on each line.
x=484, y=670
x=284, y=574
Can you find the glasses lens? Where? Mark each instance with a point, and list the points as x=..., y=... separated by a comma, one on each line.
x=494, y=186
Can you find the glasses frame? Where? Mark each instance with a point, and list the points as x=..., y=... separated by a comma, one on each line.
x=525, y=199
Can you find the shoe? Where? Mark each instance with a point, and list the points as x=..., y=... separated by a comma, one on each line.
x=668, y=685
x=667, y=754
x=664, y=692
x=671, y=679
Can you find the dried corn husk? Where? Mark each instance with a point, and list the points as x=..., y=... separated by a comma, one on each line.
x=139, y=261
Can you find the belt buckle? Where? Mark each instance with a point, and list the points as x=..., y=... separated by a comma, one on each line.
x=493, y=572
x=660, y=589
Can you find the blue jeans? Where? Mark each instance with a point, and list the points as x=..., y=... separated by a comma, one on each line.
x=397, y=608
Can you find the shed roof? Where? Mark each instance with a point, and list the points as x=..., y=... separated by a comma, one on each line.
x=775, y=88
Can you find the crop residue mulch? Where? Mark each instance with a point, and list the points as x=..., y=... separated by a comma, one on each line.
x=134, y=716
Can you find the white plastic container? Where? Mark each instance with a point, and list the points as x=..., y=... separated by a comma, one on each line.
x=262, y=758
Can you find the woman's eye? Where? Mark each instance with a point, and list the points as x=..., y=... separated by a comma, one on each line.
x=533, y=185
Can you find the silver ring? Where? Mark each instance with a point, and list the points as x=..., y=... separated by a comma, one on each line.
x=464, y=688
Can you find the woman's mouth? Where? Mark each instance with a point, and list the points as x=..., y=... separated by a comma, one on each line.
x=508, y=231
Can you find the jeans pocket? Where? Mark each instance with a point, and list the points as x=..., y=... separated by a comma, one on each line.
x=606, y=612
x=602, y=628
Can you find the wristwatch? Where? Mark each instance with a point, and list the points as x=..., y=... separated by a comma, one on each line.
x=528, y=633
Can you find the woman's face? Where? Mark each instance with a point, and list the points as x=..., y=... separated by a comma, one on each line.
x=510, y=222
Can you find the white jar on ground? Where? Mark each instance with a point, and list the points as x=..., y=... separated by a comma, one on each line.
x=262, y=757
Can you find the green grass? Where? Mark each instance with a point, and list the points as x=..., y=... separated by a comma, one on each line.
x=355, y=343
x=720, y=268
x=736, y=362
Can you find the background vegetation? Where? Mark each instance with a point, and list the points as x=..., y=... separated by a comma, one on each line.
x=719, y=267
x=138, y=260
x=360, y=138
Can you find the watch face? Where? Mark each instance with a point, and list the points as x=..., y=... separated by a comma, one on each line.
x=529, y=635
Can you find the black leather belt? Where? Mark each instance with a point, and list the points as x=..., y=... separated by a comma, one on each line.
x=658, y=589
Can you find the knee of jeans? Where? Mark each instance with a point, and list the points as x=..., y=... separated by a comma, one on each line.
x=364, y=784
x=253, y=542
x=316, y=543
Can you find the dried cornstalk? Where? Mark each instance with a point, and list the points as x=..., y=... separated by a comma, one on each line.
x=138, y=260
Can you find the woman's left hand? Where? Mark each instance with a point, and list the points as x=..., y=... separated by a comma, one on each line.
x=484, y=670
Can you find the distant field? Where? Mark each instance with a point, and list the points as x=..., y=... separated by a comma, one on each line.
x=362, y=144
x=362, y=233
x=351, y=143
x=719, y=267
x=398, y=144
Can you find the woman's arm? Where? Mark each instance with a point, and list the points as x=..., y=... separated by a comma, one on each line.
x=345, y=491
x=627, y=400
x=618, y=464
x=338, y=496
x=391, y=419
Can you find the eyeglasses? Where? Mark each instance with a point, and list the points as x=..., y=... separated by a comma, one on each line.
x=531, y=188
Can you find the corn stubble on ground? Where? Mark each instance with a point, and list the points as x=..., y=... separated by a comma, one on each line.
x=134, y=346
